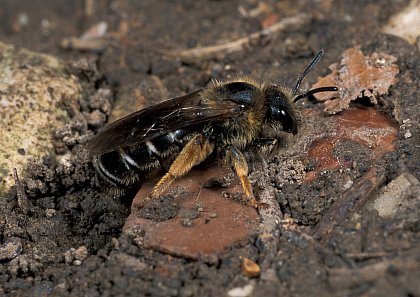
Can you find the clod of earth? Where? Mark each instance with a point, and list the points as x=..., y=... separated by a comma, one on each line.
x=10, y=249
x=32, y=87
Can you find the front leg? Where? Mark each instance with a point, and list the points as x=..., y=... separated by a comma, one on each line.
x=264, y=145
x=234, y=156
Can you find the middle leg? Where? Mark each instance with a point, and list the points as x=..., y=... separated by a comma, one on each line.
x=238, y=161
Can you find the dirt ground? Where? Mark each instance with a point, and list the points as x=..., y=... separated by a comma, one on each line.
x=332, y=238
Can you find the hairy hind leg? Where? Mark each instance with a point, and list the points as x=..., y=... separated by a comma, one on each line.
x=193, y=153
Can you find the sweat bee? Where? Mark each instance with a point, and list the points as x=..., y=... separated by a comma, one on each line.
x=224, y=119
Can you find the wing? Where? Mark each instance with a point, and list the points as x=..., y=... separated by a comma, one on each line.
x=181, y=112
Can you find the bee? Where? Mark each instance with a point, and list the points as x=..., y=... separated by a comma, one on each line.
x=224, y=119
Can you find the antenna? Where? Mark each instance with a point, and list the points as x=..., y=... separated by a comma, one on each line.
x=317, y=90
x=308, y=69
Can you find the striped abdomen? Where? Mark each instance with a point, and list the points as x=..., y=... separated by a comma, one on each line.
x=125, y=168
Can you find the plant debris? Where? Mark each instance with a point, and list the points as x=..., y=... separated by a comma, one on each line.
x=94, y=39
x=358, y=76
x=208, y=52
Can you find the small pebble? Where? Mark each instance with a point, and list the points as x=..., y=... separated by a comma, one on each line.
x=68, y=256
x=115, y=243
x=213, y=215
x=50, y=212
x=75, y=256
x=186, y=222
x=348, y=185
x=80, y=253
x=96, y=118
x=250, y=268
x=241, y=291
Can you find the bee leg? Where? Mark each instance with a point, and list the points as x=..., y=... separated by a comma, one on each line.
x=264, y=142
x=193, y=153
x=241, y=168
x=265, y=145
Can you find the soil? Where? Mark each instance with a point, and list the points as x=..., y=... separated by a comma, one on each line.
x=68, y=239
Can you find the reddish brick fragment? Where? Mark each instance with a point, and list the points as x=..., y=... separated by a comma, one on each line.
x=220, y=222
x=366, y=126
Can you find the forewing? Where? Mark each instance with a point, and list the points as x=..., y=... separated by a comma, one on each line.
x=181, y=112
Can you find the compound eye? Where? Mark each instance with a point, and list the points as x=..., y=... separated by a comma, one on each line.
x=284, y=117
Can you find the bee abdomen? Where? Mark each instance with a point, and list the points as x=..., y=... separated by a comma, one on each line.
x=114, y=168
x=127, y=166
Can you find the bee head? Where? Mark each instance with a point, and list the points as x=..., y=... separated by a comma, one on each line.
x=282, y=113
x=281, y=102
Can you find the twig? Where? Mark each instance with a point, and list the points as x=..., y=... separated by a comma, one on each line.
x=95, y=45
x=365, y=256
x=208, y=52
x=271, y=216
x=89, y=7
x=342, y=278
x=93, y=39
x=22, y=200
x=273, y=225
